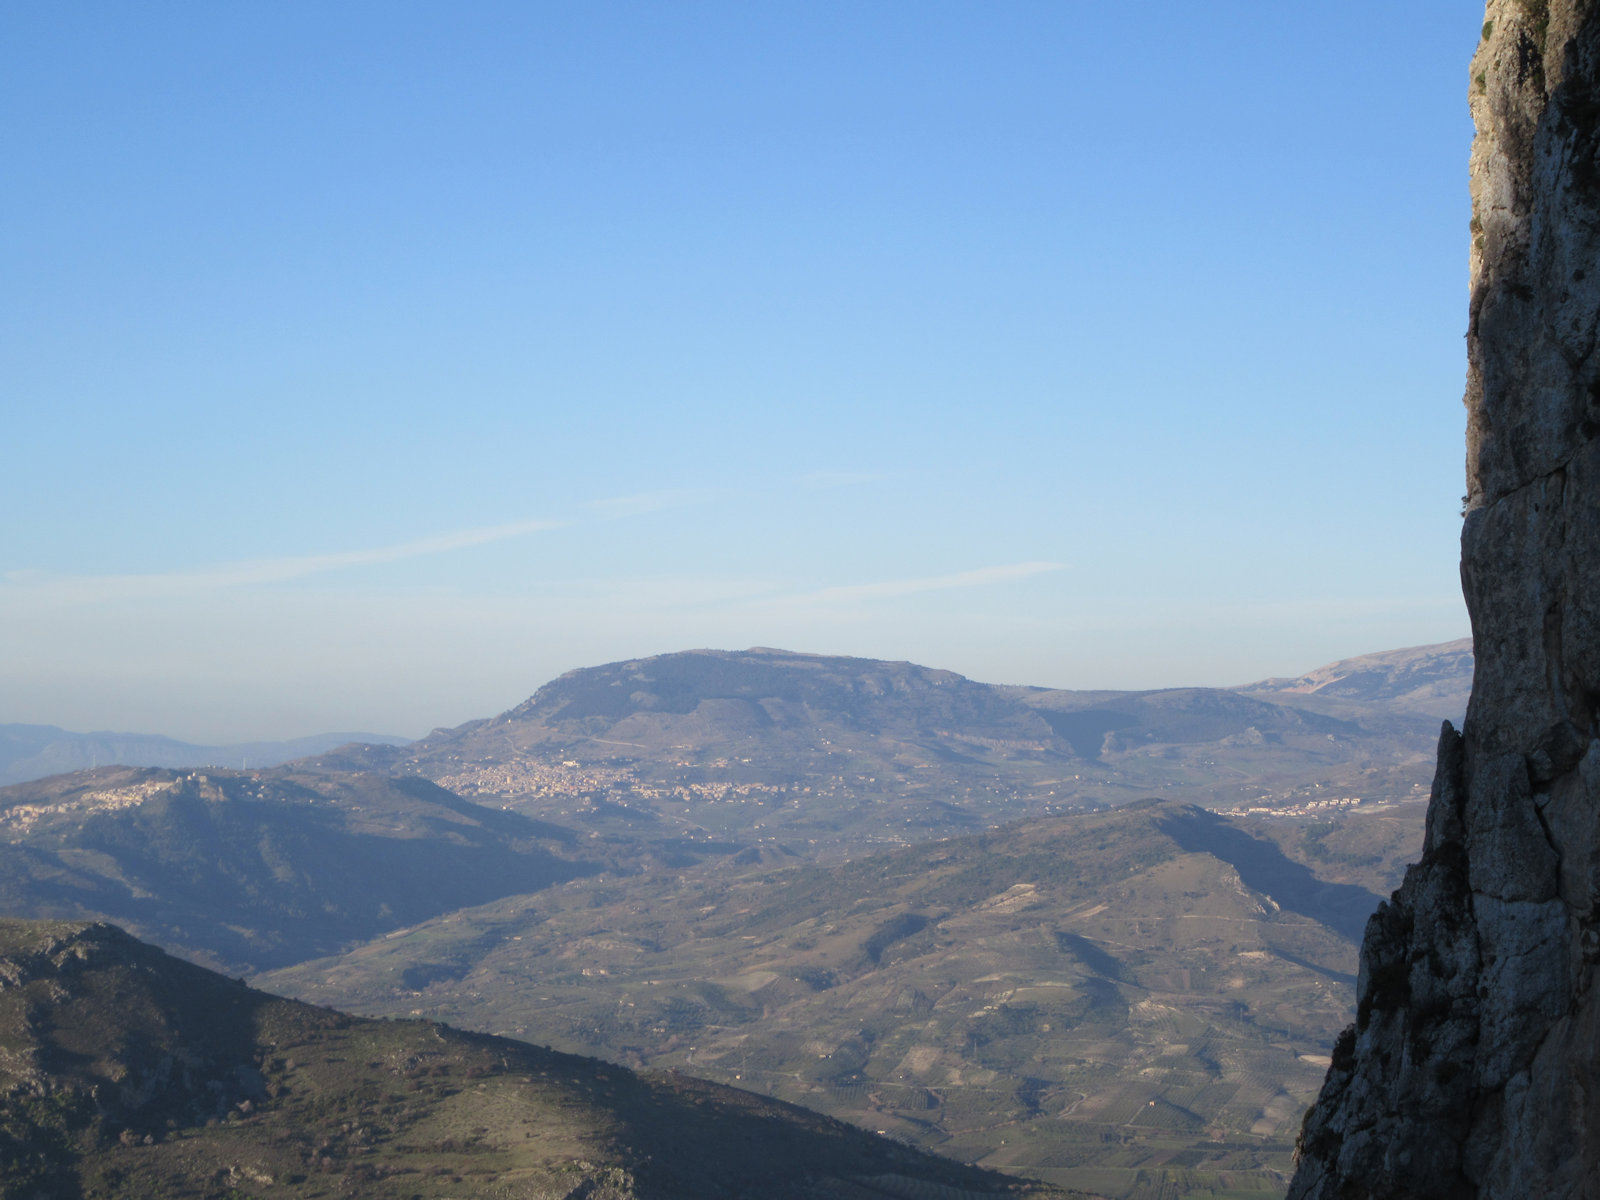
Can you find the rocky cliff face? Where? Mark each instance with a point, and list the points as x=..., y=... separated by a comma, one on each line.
x=1473, y=1069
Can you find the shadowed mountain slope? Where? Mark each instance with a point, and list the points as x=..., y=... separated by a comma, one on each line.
x=127, y=1073
x=1342, y=907
x=1078, y=997
x=264, y=868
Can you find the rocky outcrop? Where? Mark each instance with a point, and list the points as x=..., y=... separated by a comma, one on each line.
x=1473, y=1068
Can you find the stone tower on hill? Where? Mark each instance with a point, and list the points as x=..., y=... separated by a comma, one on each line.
x=1473, y=1069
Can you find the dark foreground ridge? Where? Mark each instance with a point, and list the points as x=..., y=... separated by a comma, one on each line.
x=125, y=1072
x=1472, y=1069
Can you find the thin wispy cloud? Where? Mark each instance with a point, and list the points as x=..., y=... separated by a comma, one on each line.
x=753, y=598
x=250, y=572
x=648, y=502
x=839, y=479
x=980, y=577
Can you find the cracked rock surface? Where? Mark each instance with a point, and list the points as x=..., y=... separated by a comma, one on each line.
x=1473, y=1068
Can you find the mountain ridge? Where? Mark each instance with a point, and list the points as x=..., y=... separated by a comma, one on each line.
x=839, y=753
x=131, y=1073
x=244, y=869
x=29, y=752
x=1435, y=680
x=1018, y=997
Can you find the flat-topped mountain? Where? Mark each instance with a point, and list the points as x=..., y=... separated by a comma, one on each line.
x=719, y=694
x=129, y=1073
x=825, y=754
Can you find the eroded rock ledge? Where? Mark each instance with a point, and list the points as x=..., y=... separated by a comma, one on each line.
x=1473, y=1069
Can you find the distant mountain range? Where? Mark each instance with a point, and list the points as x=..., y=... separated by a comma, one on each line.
x=720, y=701
x=821, y=754
x=36, y=751
x=1435, y=680
x=877, y=888
x=753, y=758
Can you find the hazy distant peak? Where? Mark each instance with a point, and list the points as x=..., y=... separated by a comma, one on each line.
x=1434, y=679
x=37, y=751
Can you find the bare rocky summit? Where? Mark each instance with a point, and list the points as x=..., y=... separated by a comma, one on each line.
x=1473, y=1065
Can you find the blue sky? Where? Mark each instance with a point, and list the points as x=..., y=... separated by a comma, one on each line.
x=366, y=365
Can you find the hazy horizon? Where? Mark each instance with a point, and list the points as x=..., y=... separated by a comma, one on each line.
x=417, y=735
x=372, y=366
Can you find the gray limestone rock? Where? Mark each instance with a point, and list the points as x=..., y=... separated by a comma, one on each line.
x=1473, y=1069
